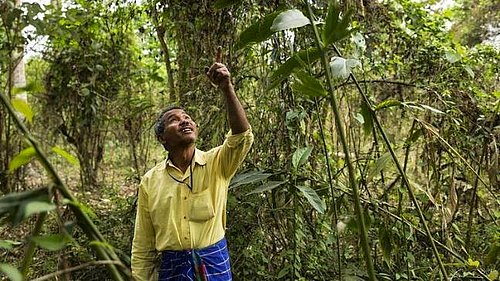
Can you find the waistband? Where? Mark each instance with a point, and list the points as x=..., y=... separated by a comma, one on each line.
x=218, y=245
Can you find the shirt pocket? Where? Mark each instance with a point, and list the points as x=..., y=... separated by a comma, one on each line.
x=201, y=207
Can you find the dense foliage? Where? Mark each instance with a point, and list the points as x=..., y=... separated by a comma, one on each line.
x=377, y=131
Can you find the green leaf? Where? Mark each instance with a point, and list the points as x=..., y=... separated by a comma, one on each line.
x=15, y=202
x=249, y=178
x=221, y=4
x=22, y=107
x=452, y=57
x=493, y=275
x=387, y=103
x=33, y=87
x=257, y=32
x=8, y=244
x=52, y=242
x=379, y=166
x=35, y=207
x=66, y=155
x=432, y=109
x=284, y=271
x=12, y=273
x=308, y=85
x=301, y=58
x=384, y=237
x=300, y=156
x=342, y=68
x=289, y=19
x=23, y=158
x=313, y=198
x=267, y=186
x=367, y=118
x=336, y=27
x=469, y=71
x=472, y=263
x=84, y=208
x=493, y=254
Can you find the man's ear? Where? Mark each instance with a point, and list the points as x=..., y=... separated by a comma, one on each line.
x=161, y=139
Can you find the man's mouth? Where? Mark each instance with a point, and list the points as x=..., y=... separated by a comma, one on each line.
x=186, y=130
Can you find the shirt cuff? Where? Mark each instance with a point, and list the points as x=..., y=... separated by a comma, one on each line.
x=237, y=139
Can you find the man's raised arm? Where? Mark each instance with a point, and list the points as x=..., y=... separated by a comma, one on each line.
x=220, y=76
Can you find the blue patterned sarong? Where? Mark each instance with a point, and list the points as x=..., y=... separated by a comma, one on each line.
x=206, y=264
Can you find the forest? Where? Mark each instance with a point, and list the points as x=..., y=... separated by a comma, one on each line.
x=376, y=124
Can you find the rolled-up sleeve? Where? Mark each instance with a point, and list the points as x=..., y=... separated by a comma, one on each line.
x=143, y=245
x=233, y=152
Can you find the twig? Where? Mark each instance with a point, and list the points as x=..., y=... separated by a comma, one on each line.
x=78, y=267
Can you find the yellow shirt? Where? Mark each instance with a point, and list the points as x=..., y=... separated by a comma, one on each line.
x=170, y=216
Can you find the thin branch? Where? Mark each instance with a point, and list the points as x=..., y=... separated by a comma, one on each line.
x=78, y=267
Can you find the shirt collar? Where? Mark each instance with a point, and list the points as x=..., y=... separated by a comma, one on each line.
x=199, y=158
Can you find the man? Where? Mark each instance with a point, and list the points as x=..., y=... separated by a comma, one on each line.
x=181, y=212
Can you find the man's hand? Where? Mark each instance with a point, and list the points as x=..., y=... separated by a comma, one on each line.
x=218, y=72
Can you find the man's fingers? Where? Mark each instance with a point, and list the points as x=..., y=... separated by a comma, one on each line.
x=218, y=56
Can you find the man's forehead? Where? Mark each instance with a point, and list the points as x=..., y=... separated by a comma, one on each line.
x=176, y=111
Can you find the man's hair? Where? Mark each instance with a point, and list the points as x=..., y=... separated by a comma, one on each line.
x=160, y=121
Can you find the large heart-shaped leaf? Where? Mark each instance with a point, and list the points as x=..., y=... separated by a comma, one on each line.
x=289, y=19
x=342, y=68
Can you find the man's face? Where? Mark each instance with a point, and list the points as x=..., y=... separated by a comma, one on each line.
x=180, y=129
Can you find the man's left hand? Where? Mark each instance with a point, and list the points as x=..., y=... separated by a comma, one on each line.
x=218, y=72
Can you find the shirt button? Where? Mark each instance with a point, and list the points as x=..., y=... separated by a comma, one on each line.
x=185, y=198
x=185, y=238
x=185, y=217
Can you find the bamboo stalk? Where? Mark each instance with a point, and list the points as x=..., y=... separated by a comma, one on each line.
x=473, y=201
x=330, y=183
x=401, y=172
x=340, y=130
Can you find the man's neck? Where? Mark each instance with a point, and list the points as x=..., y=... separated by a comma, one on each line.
x=181, y=158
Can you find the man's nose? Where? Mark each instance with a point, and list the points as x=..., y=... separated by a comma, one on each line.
x=184, y=122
